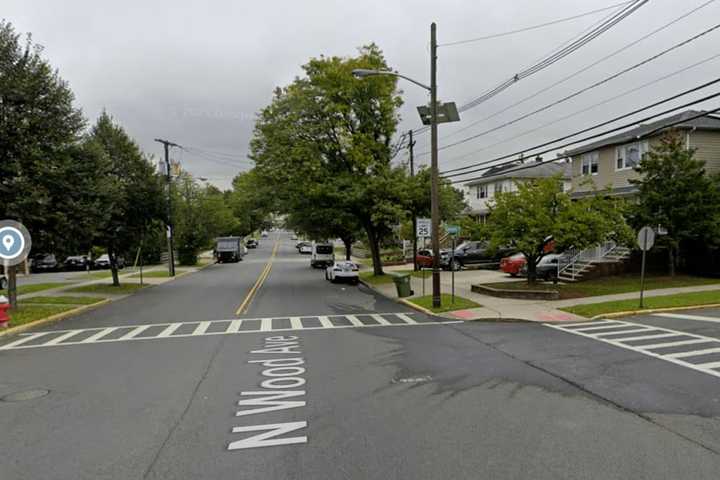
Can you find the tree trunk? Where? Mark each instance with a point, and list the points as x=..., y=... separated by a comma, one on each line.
x=671, y=260
x=531, y=269
x=113, y=268
x=374, y=244
x=11, y=272
x=348, y=248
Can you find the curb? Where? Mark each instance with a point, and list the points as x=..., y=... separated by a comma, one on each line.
x=53, y=318
x=439, y=316
x=654, y=310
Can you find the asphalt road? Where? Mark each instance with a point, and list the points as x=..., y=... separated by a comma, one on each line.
x=370, y=389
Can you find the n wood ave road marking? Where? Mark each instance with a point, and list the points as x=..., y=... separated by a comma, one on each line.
x=128, y=333
x=670, y=345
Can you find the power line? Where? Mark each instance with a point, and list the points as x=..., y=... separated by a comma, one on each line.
x=576, y=45
x=578, y=112
x=533, y=27
x=216, y=153
x=239, y=163
x=584, y=69
x=594, y=127
x=564, y=157
x=579, y=92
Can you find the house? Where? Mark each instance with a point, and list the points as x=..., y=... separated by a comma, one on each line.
x=610, y=162
x=480, y=192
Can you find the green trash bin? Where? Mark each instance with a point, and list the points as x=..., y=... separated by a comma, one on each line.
x=402, y=283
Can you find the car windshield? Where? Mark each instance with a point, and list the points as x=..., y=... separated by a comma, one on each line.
x=324, y=249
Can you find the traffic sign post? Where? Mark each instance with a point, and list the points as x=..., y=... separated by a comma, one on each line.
x=15, y=244
x=452, y=230
x=645, y=240
x=424, y=227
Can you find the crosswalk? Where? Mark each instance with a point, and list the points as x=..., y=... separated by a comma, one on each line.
x=690, y=350
x=215, y=327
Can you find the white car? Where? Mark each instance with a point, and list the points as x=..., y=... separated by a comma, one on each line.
x=323, y=255
x=305, y=248
x=343, y=271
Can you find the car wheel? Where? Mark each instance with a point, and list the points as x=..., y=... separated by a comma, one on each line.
x=455, y=266
x=514, y=274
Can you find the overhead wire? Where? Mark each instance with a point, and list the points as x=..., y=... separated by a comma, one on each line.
x=584, y=69
x=578, y=112
x=576, y=45
x=579, y=92
x=594, y=127
x=533, y=27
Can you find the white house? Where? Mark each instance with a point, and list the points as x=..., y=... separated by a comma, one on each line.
x=480, y=192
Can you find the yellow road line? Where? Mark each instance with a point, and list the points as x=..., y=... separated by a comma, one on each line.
x=261, y=279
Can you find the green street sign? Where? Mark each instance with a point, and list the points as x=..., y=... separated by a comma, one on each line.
x=452, y=229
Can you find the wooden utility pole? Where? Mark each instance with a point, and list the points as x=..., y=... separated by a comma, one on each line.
x=171, y=246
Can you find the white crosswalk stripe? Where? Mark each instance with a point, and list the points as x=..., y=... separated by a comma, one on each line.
x=216, y=327
x=690, y=345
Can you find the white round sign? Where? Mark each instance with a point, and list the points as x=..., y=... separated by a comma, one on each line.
x=646, y=238
x=15, y=242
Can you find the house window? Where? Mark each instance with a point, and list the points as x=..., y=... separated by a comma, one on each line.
x=498, y=187
x=590, y=163
x=629, y=156
x=482, y=191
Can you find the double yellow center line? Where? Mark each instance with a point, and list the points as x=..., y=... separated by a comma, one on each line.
x=242, y=309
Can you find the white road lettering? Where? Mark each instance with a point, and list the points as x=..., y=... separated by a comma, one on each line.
x=279, y=394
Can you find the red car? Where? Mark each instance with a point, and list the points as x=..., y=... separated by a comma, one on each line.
x=424, y=258
x=513, y=264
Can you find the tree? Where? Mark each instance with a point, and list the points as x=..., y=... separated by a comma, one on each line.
x=136, y=201
x=675, y=193
x=330, y=132
x=540, y=209
x=41, y=164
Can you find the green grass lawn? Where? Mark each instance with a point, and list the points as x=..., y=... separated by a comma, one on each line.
x=373, y=279
x=36, y=287
x=62, y=300
x=107, y=289
x=665, y=301
x=610, y=285
x=31, y=313
x=446, y=301
x=158, y=273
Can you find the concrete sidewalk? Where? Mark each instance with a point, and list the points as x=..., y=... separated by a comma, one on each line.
x=494, y=308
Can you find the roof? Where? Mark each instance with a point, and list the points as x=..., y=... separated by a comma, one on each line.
x=542, y=170
x=708, y=122
x=615, y=192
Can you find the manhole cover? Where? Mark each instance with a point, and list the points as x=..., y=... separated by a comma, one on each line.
x=424, y=378
x=26, y=395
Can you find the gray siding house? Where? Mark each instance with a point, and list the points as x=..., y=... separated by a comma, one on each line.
x=610, y=162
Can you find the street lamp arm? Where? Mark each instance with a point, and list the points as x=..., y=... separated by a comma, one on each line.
x=361, y=73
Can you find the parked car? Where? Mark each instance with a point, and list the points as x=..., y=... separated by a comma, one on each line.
x=304, y=247
x=44, y=262
x=424, y=258
x=252, y=243
x=546, y=269
x=513, y=264
x=103, y=261
x=343, y=271
x=474, y=253
x=3, y=282
x=229, y=249
x=293, y=237
x=323, y=255
x=264, y=234
x=77, y=262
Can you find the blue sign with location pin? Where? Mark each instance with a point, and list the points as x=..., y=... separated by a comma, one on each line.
x=14, y=242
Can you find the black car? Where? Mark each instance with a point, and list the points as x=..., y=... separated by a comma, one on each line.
x=77, y=262
x=252, y=243
x=546, y=268
x=45, y=262
x=474, y=253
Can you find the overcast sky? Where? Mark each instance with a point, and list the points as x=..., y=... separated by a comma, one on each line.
x=197, y=72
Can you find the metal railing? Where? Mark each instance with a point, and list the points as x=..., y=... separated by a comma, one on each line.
x=573, y=256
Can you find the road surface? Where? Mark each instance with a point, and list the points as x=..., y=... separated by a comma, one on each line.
x=320, y=381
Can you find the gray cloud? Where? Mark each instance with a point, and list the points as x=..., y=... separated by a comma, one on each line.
x=197, y=72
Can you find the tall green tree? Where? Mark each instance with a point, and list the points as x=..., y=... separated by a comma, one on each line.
x=540, y=209
x=677, y=194
x=327, y=136
x=137, y=200
x=40, y=161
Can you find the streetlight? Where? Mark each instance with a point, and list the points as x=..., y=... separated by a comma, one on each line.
x=436, y=113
